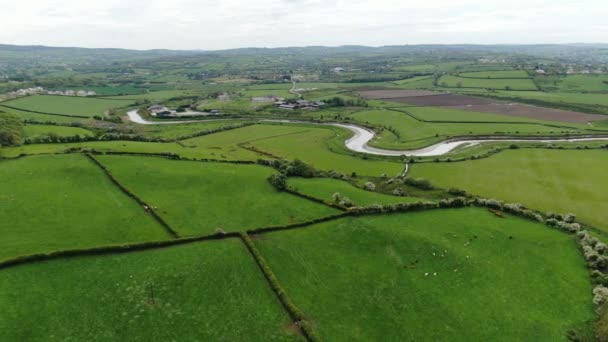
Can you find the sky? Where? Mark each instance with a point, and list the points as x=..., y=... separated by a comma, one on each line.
x=224, y=24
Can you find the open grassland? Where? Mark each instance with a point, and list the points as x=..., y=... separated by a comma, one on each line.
x=209, y=291
x=496, y=74
x=314, y=146
x=416, y=134
x=325, y=188
x=176, y=131
x=23, y=115
x=198, y=198
x=50, y=203
x=462, y=82
x=457, y=275
x=33, y=131
x=66, y=105
x=556, y=97
x=576, y=83
x=161, y=95
x=549, y=180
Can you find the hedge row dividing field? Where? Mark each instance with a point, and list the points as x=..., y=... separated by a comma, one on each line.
x=66, y=105
x=56, y=202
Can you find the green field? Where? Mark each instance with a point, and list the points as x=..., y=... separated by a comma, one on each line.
x=66, y=105
x=471, y=281
x=23, y=115
x=209, y=291
x=198, y=198
x=325, y=188
x=462, y=82
x=33, y=131
x=50, y=203
x=549, y=180
x=417, y=134
x=496, y=74
x=578, y=83
x=176, y=131
x=557, y=97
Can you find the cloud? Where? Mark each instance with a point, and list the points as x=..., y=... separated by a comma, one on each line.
x=189, y=24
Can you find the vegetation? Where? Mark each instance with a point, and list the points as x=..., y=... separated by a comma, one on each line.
x=11, y=130
x=419, y=266
x=66, y=105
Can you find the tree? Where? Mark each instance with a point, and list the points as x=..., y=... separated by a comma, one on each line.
x=11, y=130
x=279, y=181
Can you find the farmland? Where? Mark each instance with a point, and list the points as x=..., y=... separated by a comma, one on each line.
x=71, y=106
x=418, y=267
x=381, y=214
x=536, y=178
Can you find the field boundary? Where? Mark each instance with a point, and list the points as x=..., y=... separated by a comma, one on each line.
x=139, y=201
x=294, y=312
x=46, y=113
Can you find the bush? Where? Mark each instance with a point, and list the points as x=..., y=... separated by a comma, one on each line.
x=419, y=183
x=457, y=192
x=600, y=295
x=336, y=197
x=370, y=186
x=346, y=202
x=398, y=192
x=278, y=181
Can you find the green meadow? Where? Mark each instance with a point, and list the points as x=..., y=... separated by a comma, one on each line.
x=492, y=83
x=210, y=291
x=496, y=74
x=50, y=203
x=457, y=275
x=198, y=198
x=551, y=180
x=34, y=131
x=67, y=105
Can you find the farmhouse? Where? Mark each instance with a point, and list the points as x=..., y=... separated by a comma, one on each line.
x=299, y=104
x=266, y=98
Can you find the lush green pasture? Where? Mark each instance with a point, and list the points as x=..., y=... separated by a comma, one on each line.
x=496, y=74
x=176, y=131
x=325, y=188
x=416, y=79
x=161, y=95
x=457, y=275
x=557, y=97
x=68, y=105
x=197, y=198
x=50, y=203
x=582, y=83
x=40, y=117
x=275, y=92
x=416, y=134
x=313, y=145
x=209, y=291
x=33, y=131
x=462, y=82
x=550, y=180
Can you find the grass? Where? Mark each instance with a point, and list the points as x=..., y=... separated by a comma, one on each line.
x=208, y=291
x=462, y=82
x=578, y=83
x=550, y=180
x=50, y=203
x=176, y=131
x=196, y=198
x=494, y=288
x=417, y=134
x=496, y=74
x=318, y=146
x=33, y=131
x=67, y=105
x=23, y=115
x=324, y=188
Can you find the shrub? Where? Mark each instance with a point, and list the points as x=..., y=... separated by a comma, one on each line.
x=600, y=295
x=279, y=181
x=457, y=192
x=398, y=192
x=370, y=186
x=419, y=183
x=336, y=197
x=570, y=218
x=346, y=202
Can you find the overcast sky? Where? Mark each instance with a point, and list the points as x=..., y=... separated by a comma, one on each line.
x=213, y=25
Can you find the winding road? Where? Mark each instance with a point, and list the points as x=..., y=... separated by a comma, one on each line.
x=362, y=136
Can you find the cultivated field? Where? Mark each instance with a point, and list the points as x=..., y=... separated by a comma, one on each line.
x=198, y=198
x=64, y=202
x=487, y=83
x=466, y=266
x=550, y=180
x=199, y=292
x=66, y=105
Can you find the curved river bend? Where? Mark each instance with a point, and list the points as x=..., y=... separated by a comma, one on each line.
x=362, y=136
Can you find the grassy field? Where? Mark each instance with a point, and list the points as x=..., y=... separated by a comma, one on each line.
x=577, y=83
x=50, y=203
x=324, y=188
x=462, y=82
x=196, y=198
x=557, y=97
x=176, y=131
x=416, y=134
x=549, y=180
x=33, y=131
x=312, y=145
x=23, y=115
x=496, y=74
x=209, y=291
x=67, y=105
x=452, y=275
